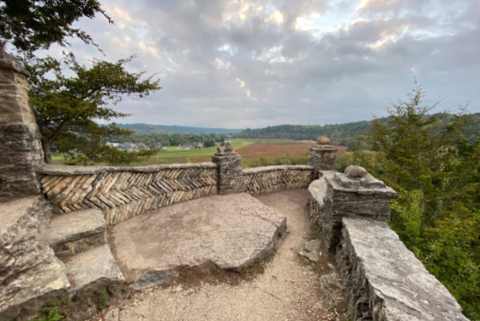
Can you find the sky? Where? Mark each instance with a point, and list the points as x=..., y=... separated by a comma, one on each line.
x=241, y=63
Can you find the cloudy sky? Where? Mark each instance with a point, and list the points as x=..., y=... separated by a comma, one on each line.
x=242, y=63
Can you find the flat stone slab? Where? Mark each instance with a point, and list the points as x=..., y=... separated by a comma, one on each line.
x=93, y=268
x=229, y=231
x=75, y=232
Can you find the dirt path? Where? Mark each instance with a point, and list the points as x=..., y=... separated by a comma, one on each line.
x=289, y=288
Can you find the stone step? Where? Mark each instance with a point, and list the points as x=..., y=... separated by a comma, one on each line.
x=93, y=268
x=75, y=232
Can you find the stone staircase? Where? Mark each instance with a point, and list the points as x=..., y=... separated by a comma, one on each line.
x=79, y=239
x=43, y=259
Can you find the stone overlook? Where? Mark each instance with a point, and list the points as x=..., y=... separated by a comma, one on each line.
x=64, y=230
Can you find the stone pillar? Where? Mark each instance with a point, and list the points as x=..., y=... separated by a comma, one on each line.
x=354, y=194
x=322, y=156
x=20, y=147
x=230, y=173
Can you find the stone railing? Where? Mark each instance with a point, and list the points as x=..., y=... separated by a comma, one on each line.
x=273, y=178
x=124, y=192
x=383, y=280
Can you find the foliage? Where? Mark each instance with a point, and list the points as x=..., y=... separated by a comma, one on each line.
x=66, y=106
x=35, y=24
x=437, y=171
x=347, y=134
x=51, y=313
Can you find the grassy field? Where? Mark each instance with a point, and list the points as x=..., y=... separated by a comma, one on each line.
x=254, y=152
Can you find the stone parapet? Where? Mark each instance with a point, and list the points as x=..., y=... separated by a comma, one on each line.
x=267, y=179
x=230, y=174
x=124, y=192
x=322, y=157
x=20, y=147
x=385, y=281
x=338, y=195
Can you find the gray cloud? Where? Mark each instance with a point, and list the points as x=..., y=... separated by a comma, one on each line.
x=257, y=63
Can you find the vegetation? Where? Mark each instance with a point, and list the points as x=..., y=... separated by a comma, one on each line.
x=30, y=25
x=159, y=129
x=437, y=171
x=340, y=134
x=65, y=106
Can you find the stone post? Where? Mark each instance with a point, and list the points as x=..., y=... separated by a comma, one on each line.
x=20, y=147
x=322, y=156
x=354, y=194
x=230, y=173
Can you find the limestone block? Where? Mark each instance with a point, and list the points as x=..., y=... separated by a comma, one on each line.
x=76, y=232
x=93, y=268
x=385, y=281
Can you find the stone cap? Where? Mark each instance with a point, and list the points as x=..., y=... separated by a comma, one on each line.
x=366, y=185
x=323, y=140
x=256, y=170
x=9, y=62
x=324, y=147
x=65, y=170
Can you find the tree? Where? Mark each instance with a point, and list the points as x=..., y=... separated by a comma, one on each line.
x=437, y=171
x=35, y=24
x=66, y=106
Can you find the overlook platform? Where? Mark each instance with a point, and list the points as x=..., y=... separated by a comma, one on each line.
x=290, y=288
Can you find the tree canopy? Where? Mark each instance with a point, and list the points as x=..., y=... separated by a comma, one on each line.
x=30, y=25
x=437, y=171
x=66, y=106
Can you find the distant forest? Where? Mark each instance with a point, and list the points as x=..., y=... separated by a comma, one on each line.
x=342, y=134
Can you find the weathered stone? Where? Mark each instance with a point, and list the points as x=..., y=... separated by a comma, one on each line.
x=123, y=193
x=29, y=291
x=322, y=140
x=18, y=147
x=355, y=171
x=267, y=179
x=20, y=221
x=311, y=250
x=322, y=158
x=153, y=278
x=229, y=231
x=335, y=196
x=385, y=281
x=230, y=174
x=75, y=232
x=93, y=268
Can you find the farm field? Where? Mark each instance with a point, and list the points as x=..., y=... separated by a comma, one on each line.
x=254, y=152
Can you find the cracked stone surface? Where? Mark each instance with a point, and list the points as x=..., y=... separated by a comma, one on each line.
x=229, y=231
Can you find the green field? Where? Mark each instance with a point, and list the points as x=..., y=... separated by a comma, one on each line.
x=173, y=155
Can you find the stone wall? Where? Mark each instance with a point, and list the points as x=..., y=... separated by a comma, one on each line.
x=273, y=178
x=124, y=192
x=20, y=147
x=383, y=280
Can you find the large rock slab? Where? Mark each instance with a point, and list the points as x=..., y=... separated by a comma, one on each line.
x=75, y=232
x=385, y=281
x=229, y=231
x=32, y=289
x=93, y=268
x=30, y=274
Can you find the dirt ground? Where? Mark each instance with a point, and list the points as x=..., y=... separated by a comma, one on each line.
x=285, y=287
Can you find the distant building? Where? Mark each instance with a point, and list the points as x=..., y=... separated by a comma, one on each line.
x=156, y=145
x=193, y=145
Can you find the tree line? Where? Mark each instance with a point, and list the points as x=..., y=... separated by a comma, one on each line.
x=340, y=134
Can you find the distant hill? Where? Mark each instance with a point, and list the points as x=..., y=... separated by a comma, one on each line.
x=163, y=129
x=340, y=134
